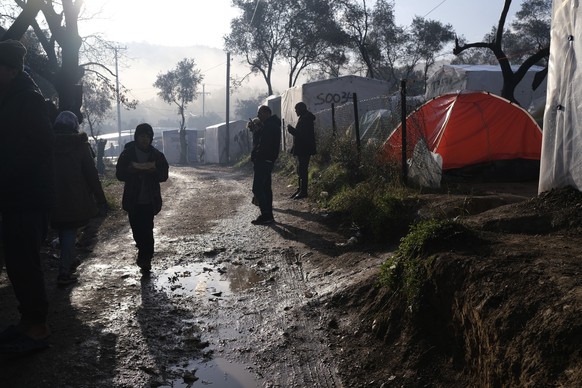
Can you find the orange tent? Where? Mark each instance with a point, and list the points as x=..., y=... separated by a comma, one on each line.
x=469, y=128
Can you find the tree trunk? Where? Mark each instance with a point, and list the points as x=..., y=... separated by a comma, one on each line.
x=183, y=142
x=100, y=153
x=23, y=21
x=183, y=147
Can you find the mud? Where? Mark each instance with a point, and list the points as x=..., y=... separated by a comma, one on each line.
x=297, y=303
x=227, y=303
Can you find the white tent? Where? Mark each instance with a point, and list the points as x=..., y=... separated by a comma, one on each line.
x=171, y=145
x=320, y=95
x=456, y=78
x=561, y=163
x=215, y=143
x=273, y=102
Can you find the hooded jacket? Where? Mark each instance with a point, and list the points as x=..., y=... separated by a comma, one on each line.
x=267, y=141
x=78, y=187
x=304, y=135
x=26, y=148
x=133, y=179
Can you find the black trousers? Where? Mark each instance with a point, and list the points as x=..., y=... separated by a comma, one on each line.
x=141, y=220
x=23, y=233
x=262, y=186
x=302, y=173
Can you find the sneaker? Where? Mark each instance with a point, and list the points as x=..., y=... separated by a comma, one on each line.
x=65, y=280
x=261, y=220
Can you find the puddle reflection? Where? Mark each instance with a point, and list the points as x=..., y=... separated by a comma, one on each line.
x=218, y=373
x=201, y=280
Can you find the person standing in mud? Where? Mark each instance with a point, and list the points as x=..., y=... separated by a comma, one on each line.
x=80, y=196
x=26, y=196
x=142, y=167
x=266, y=144
x=303, y=147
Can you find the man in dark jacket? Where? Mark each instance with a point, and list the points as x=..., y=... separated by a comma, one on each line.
x=303, y=146
x=266, y=144
x=26, y=196
x=142, y=167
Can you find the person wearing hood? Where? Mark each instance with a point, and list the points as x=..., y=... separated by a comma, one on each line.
x=266, y=145
x=80, y=196
x=26, y=196
x=142, y=167
x=303, y=147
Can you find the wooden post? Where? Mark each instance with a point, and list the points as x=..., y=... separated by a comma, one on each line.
x=357, y=121
x=403, y=129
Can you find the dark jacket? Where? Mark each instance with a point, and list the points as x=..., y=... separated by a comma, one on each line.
x=133, y=179
x=267, y=141
x=78, y=187
x=303, y=135
x=26, y=148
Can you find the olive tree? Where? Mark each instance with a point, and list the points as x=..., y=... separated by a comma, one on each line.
x=179, y=87
x=532, y=27
x=258, y=35
x=58, y=57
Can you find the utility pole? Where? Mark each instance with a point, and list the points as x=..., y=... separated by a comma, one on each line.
x=227, y=107
x=203, y=98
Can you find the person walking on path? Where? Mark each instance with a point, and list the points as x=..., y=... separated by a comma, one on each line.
x=303, y=147
x=26, y=196
x=142, y=167
x=79, y=193
x=266, y=144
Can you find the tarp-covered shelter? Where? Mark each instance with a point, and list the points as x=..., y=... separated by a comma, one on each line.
x=215, y=142
x=455, y=78
x=320, y=95
x=171, y=145
x=470, y=129
x=561, y=163
x=273, y=102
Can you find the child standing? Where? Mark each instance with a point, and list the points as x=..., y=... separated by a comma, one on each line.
x=142, y=167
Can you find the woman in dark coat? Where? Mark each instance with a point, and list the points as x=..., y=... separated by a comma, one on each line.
x=78, y=189
x=142, y=167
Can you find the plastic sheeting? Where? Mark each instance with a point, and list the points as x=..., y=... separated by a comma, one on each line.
x=320, y=95
x=456, y=78
x=171, y=145
x=215, y=142
x=561, y=163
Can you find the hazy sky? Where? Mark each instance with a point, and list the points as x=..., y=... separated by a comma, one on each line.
x=189, y=23
x=205, y=22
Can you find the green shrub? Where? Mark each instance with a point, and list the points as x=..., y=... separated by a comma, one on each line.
x=407, y=268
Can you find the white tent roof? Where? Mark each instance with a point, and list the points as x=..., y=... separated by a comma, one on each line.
x=456, y=78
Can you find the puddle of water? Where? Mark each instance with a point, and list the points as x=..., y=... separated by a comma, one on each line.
x=202, y=280
x=218, y=373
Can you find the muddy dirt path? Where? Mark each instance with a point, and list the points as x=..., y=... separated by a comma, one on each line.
x=228, y=304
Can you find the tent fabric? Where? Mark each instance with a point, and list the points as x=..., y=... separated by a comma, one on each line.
x=488, y=78
x=561, y=163
x=469, y=128
x=320, y=95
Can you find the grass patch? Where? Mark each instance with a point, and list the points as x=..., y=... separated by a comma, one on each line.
x=407, y=269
